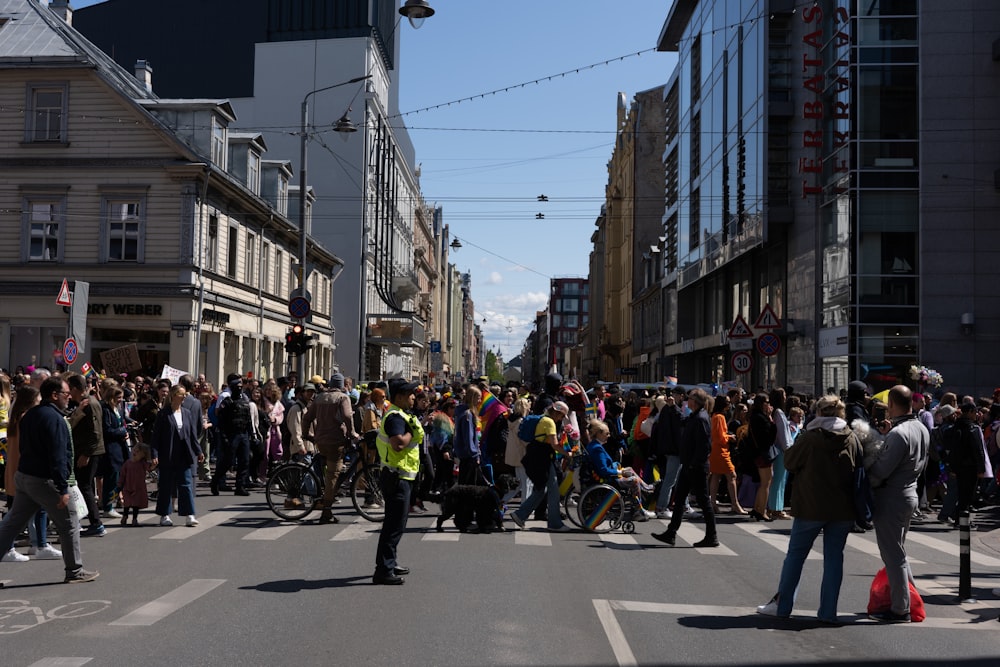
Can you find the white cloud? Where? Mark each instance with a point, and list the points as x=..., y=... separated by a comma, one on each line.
x=527, y=302
x=495, y=278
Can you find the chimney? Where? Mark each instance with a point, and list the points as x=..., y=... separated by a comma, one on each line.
x=144, y=72
x=62, y=9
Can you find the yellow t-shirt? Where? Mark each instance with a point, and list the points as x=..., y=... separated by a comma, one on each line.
x=545, y=427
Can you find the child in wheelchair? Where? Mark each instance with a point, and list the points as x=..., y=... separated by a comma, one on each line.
x=628, y=483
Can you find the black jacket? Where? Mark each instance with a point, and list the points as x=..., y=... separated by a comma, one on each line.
x=175, y=447
x=45, y=445
x=696, y=440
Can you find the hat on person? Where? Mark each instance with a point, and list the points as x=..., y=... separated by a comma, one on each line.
x=318, y=380
x=560, y=406
x=336, y=381
x=945, y=411
x=857, y=390
x=400, y=386
x=308, y=386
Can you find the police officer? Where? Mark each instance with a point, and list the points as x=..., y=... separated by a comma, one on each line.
x=398, y=443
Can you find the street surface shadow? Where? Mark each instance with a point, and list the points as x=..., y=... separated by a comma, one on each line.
x=759, y=622
x=299, y=585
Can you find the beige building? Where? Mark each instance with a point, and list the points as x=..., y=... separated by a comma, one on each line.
x=180, y=229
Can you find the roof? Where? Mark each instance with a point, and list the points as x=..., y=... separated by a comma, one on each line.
x=673, y=27
x=224, y=107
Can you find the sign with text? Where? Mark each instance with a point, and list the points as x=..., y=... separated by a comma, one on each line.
x=124, y=359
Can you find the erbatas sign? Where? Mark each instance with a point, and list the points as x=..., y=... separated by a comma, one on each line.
x=820, y=86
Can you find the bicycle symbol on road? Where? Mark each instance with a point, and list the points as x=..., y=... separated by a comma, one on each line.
x=18, y=615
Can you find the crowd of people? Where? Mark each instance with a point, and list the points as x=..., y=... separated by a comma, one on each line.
x=836, y=463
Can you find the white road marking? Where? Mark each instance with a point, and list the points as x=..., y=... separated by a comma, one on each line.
x=160, y=608
x=60, y=662
x=692, y=533
x=273, y=531
x=951, y=548
x=431, y=534
x=870, y=548
x=206, y=521
x=613, y=631
x=777, y=540
x=533, y=538
x=622, y=540
x=359, y=529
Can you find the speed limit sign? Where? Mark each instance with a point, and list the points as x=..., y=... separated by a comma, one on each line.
x=742, y=362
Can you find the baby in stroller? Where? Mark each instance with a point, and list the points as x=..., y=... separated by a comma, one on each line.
x=624, y=479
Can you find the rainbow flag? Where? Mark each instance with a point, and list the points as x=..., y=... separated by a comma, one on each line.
x=490, y=409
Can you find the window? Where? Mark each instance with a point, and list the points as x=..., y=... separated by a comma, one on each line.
x=265, y=269
x=233, y=251
x=279, y=271
x=253, y=172
x=218, y=143
x=212, y=251
x=44, y=225
x=46, y=116
x=124, y=227
x=250, y=261
x=283, y=195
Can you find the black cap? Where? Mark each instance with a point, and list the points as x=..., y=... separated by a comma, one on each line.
x=400, y=386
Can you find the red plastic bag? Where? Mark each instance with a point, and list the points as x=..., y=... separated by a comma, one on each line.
x=880, y=598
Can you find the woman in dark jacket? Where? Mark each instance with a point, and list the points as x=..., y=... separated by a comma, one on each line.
x=175, y=450
x=825, y=459
x=115, y=447
x=762, y=434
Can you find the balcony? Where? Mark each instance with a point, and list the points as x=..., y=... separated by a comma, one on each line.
x=402, y=330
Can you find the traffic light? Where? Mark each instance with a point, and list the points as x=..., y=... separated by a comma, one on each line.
x=295, y=343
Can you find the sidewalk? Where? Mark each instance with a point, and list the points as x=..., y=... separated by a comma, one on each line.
x=986, y=534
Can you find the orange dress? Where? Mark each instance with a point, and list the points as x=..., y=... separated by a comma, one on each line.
x=719, y=462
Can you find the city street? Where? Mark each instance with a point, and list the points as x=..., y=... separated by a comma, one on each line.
x=243, y=588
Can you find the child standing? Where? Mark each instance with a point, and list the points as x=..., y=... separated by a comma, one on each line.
x=133, y=484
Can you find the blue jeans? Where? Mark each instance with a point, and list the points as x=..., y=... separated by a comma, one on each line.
x=532, y=501
x=804, y=533
x=671, y=470
x=38, y=529
x=174, y=478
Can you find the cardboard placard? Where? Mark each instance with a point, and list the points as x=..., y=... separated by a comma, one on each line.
x=124, y=359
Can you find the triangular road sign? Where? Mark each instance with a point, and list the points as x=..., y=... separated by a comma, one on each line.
x=740, y=328
x=767, y=319
x=63, y=298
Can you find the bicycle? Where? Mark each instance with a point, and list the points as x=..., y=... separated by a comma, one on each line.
x=294, y=488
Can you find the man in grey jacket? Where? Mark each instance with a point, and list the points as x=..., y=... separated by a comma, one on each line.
x=893, y=476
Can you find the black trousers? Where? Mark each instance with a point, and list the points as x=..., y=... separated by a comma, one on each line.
x=693, y=479
x=396, y=496
x=85, y=480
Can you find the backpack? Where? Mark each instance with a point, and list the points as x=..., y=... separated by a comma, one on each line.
x=526, y=430
x=743, y=450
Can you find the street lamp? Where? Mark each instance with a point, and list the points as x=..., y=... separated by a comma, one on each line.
x=416, y=11
x=304, y=227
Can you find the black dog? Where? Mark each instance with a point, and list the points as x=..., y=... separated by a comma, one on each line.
x=467, y=502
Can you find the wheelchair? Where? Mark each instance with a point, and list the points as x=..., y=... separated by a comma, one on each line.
x=601, y=505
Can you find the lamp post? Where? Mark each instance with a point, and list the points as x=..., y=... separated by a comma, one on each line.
x=304, y=226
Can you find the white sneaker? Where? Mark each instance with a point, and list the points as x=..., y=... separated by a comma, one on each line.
x=643, y=514
x=111, y=514
x=13, y=556
x=769, y=609
x=165, y=521
x=664, y=514
x=48, y=552
x=191, y=521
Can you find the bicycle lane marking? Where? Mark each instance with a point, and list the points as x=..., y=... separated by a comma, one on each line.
x=27, y=616
x=163, y=606
x=60, y=662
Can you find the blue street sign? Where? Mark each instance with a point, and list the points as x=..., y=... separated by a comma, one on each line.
x=70, y=351
x=298, y=307
x=768, y=344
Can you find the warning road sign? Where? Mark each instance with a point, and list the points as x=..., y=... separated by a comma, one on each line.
x=63, y=298
x=767, y=319
x=742, y=362
x=740, y=328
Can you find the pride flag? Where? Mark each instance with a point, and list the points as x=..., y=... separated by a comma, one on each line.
x=490, y=409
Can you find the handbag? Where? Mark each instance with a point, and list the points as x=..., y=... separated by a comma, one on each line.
x=773, y=452
x=77, y=504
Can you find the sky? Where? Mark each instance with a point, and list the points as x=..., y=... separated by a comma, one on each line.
x=486, y=161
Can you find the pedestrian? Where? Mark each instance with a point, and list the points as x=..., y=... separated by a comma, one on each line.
x=720, y=462
x=398, y=442
x=893, y=476
x=762, y=435
x=540, y=466
x=783, y=438
x=115, y=448
x=965, y=458
x=667, y=435
x=174, y=450
x=86, y=422
x=825, y=461
x=133, y=483
x=232, y=411
x=515, y=450
x=465, y=446
x=695, y=448
x=331, y=419
x=43, y=476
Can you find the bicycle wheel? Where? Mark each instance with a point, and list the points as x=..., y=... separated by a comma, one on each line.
x=292, y=491
x=601, y=508
x=571, y=504
x=366, y=493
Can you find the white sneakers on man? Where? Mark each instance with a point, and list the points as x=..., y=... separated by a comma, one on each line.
x=13, y=556
x=165, y=521
x=48, y=552
x=191, y=521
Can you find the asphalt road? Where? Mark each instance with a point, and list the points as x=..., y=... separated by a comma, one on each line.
x=244, y=588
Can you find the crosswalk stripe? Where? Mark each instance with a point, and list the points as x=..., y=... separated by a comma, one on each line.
x=204, y=523
x=691, y=533
x=273, y=531
x=533, y=538
x=359, y=529
x=620, y=540
x=160, y=608
x=431, y=534
x=870, y=548
x=777, y=540
x=951, y=548
x=144, y=517
x=60, y=662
